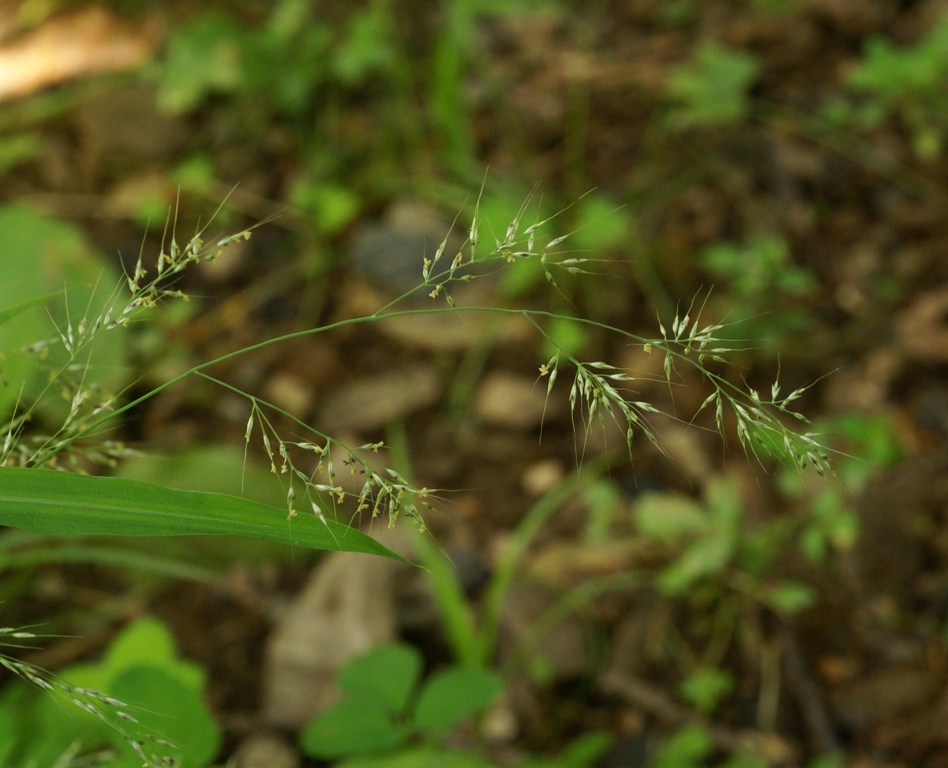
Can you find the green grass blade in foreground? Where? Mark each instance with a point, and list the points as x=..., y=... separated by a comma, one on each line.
x=65, y=503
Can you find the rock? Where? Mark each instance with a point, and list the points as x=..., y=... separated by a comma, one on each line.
x=452, y=331
x=542, y=477
x=387, y=258
x=390, y=253
x=265, y=750
x=510, y=400
x=373, y=402
x=346, y=608
x=290, y=392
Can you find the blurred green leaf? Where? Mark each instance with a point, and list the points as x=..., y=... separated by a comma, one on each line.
x=565, y=335
x=742, y=760
x=354, y=726
x=169, y=709
x=454, y=694
x=148, y=641
x=204, y=56
x=704, y=557
x=790, y=597
x=600, y=224
x=40, y=255
x=420, y=757
x=706, y=688
x=388, y=673
x=686, y=748
x=331, y=206
x=668, y=517
x=583, y=752
x=368, y=47
x=712, y=89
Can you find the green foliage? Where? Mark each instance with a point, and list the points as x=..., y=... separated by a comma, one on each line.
x=451, y=59
x=764, y=290
x=42, y=255
x=203, y=58
x=331, y=206
x=712, y=550
x=706, y=688
x=296, y=68
x=168, y=721
x=685, y=748
x=474, y=642
x=905, y=82
x=389, y=716
x=708, y=550
x=598, y=224
x=712, y=89
x=604, y=502
x=283, y=61
x=691, y=746
x=440, y=705
x=831, y=522
x=741, y=760
x=368, y=47
x=18, y=149
x=759, y=268
x=582, y=752
x=386, y=706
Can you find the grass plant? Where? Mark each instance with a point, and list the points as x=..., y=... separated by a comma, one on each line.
x=70, y=503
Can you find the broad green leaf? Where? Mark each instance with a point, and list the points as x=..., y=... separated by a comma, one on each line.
x=790, y=597
x=170, y=710
x=55, y=723
x=146, y=641
x=712, y=89
x=420, y=757
x=355, y=726
x=584, y=752
x=65, y=503
x=702, y=558
x=706, y=688
x=686, y=748
x=142, y=678
x=389, y=673
x=41, y=254
x=723, y=499
x=9, y=725
x=453, y=695
x=669, y=517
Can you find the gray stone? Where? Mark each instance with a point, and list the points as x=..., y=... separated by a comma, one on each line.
x=346, y=608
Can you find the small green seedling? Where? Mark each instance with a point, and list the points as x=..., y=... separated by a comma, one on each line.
x=389, y=718
x=713, y=550
x=712, y=89
x=386, y=709
x=906, y=83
